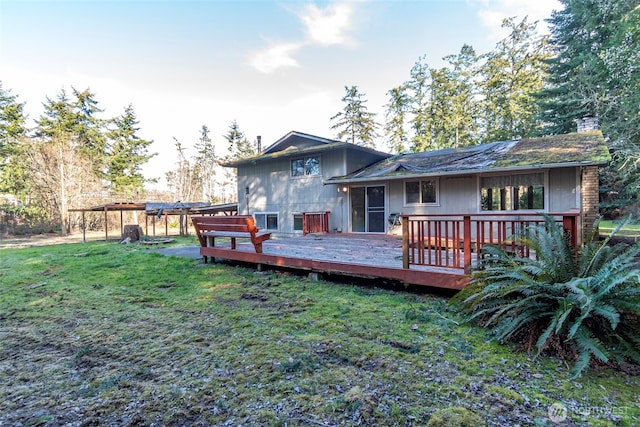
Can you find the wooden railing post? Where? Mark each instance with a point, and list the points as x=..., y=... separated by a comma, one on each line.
x=466, y=232
x=405, y=242
x=325, y=224
x=305, y=226
x=570, y=225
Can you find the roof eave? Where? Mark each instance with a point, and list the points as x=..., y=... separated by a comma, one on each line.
x=460, y=172
x=296, y=153
x=320, y=139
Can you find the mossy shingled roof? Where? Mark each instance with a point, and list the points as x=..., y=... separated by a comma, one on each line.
x=575, y=149
x=581, y=148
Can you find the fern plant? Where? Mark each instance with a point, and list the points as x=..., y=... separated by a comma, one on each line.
x=582, y=304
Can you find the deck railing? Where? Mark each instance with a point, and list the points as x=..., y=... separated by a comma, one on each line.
x=457, y=241
x=315, y=222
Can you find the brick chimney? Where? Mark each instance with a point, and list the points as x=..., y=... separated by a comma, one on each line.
x=587, y=124
x=590, y=200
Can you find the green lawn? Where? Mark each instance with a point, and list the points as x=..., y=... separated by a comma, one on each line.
x=629, y=230
x=108, y=334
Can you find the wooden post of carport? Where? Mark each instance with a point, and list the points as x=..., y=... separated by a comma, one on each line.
x=106, y=224
x=185, y=218
x=84, y=227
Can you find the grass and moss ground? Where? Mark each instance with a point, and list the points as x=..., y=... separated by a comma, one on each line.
x=630, y=230
x=107, y=334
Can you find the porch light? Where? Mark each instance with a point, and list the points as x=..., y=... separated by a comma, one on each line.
x=343, y=189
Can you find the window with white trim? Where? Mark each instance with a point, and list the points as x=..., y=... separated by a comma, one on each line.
x=512, y=192
x=266, y=220
x=424, y=191
x=305, y=166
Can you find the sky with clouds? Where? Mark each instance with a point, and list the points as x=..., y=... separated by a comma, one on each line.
x=274, y=66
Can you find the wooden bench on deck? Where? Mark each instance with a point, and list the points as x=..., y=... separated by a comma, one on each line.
x=232, y=227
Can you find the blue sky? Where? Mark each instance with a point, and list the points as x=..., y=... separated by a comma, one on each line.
x=274, y=66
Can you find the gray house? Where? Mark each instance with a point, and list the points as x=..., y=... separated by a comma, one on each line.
x=360, y=190
x=285, y=182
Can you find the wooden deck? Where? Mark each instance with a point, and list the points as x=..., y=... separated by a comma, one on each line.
x=435, y=249
x=369, y=256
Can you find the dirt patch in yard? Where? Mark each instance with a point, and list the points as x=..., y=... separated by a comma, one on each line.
x=27, y=241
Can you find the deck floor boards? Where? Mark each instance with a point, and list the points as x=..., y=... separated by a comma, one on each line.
x=350, y=254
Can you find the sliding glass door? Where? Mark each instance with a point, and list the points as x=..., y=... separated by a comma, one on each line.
x=367, y=209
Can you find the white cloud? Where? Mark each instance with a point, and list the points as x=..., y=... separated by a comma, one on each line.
x=275, y=57
x=324, y=27
x=328, y=26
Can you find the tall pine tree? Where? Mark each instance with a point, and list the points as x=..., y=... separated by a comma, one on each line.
x=596, y=72
x=12, y=123
x=65, y=163
x=239, y=146
x=206, y=164
x=419, y=94
x=127, y=153
x=512, y=75
x=355, y=121
x=396, y=117
x=12, y=131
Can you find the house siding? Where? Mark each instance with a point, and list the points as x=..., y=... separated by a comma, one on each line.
x=272, y=189
x=460, y=195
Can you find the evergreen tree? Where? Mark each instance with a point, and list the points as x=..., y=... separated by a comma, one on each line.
x=464, y=104
x=77, y=121
x=206, y=163
x=127, y=152
x=12, y=130
x=239, y=146
x=443, y=103
x=395, y=115
x=513, y=74
x=90, y=130
x=67, y=160
x=12, y=123
x=441, y=128
x=419, y=94
x=595, y=72
x=621, y=120
x=355, y=121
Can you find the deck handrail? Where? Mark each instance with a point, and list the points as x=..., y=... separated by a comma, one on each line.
x=315, y=222
x=450, y=240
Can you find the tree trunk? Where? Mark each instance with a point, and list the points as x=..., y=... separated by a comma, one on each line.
x=132, y=231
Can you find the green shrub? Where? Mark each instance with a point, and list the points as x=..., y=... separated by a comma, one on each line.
x=582, y=304
x=20, y=220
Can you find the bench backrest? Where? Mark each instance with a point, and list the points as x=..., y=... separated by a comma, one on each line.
x=233, y=223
